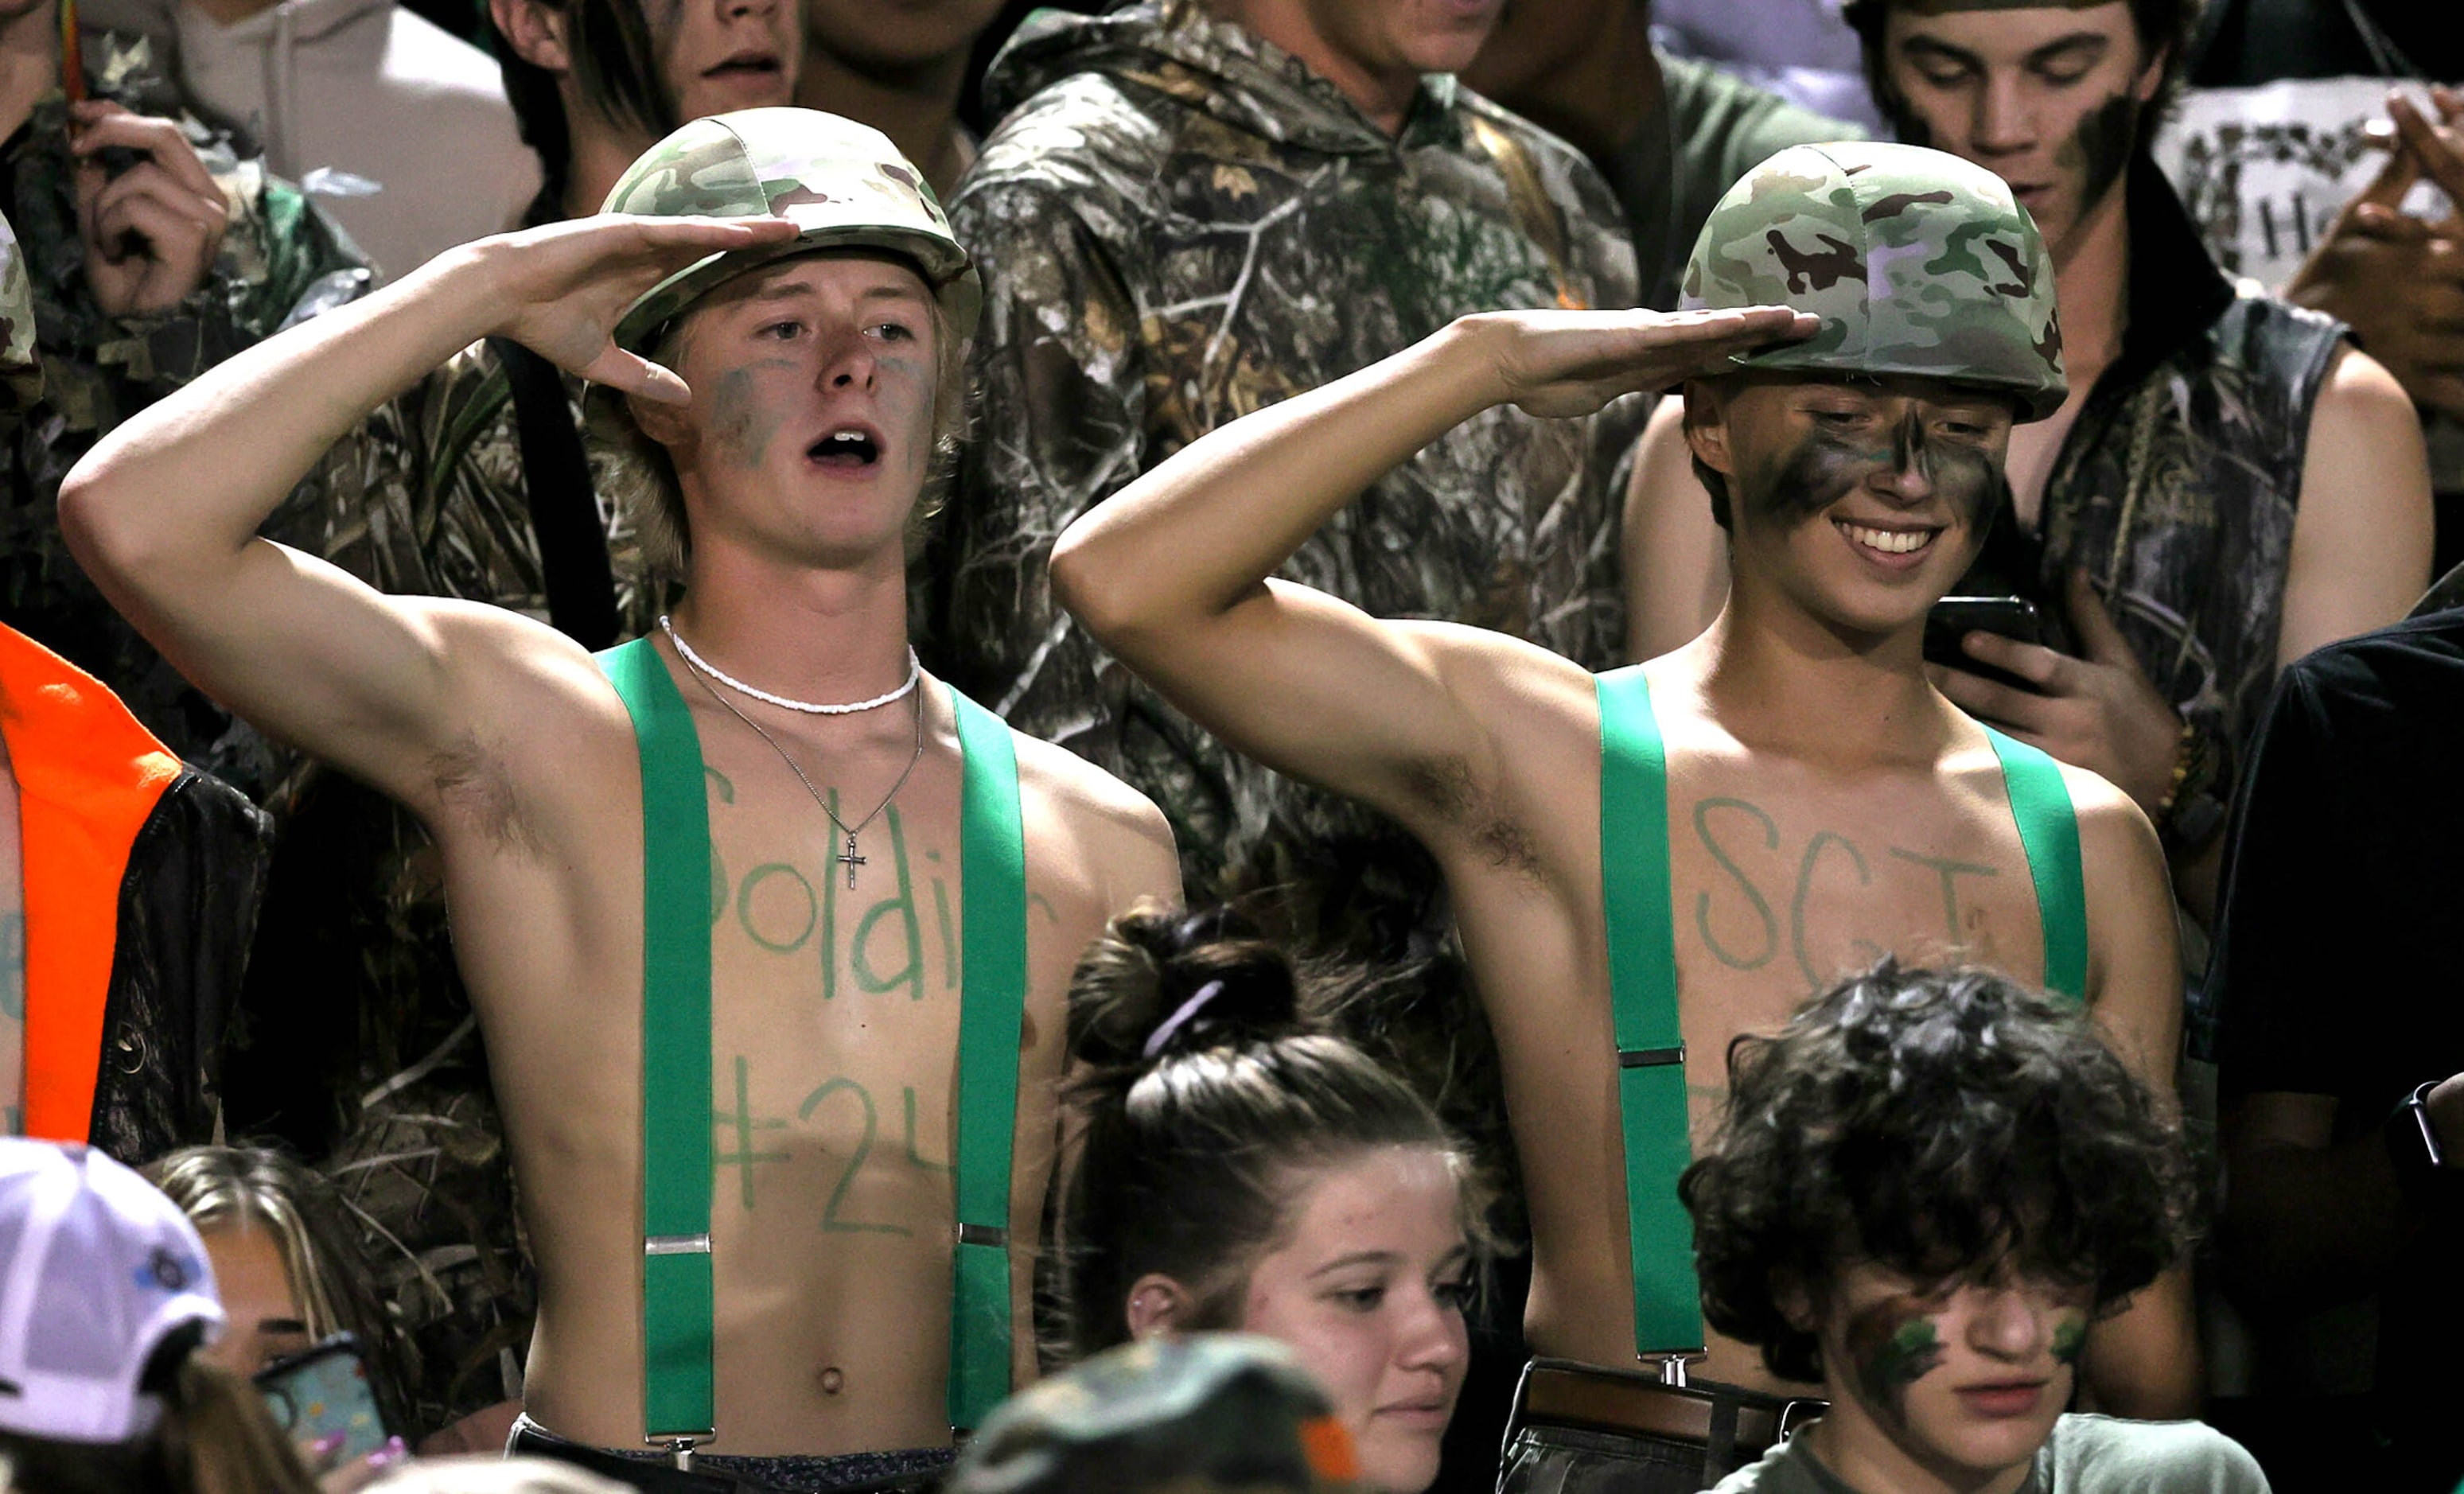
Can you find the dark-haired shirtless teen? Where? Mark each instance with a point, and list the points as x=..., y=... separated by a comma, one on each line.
x=768, y=936
x=1648, y=864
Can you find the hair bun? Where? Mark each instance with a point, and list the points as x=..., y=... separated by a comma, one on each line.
x=1163, y=981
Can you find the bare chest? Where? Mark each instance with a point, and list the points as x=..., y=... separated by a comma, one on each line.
x=1778, y=891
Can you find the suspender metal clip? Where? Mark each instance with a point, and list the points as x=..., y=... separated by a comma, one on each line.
x=983, y=1235
x=1672, y=1369
x=1650, y=1058
x=681, y=1449
x=676, y=1245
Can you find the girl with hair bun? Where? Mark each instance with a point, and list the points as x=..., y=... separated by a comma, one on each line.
x=1240, y=1167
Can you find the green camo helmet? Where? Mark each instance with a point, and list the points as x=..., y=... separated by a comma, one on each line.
x=1917, y=262
x=843, y=184
x=21, y=369
x=1206, y=1414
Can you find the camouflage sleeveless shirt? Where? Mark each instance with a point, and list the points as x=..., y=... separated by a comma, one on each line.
x=2176, y=487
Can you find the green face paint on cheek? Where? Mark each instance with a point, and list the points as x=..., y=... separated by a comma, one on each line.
x=1893, y=1344
x=742, y=417
x=2070, y=1338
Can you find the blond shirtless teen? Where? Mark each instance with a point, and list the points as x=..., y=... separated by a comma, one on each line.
x=813, y=355
x=1823, y=803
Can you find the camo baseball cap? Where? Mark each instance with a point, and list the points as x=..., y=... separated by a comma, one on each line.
x=1207, y=1414
x=21, y=370
x=843, y=184
x=1917, y=262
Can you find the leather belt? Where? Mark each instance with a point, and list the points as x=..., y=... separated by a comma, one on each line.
x=1560, y=1393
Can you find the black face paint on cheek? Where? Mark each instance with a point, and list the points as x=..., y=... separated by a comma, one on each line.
x=2099, y=148
x=1819, y=473
x=1893, y=1344
x=741, y=424
x=906, y=388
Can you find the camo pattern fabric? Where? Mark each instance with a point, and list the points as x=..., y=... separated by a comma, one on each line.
x=21, y=372
x=1178, y=224
x=840, y=182
x=280, y=260
x=1917, y=261
x=1206, y=1414
x=2180, y=482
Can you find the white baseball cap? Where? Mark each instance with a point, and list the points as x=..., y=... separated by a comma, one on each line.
x=96, y=1269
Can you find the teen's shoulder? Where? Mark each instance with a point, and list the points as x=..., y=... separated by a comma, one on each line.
x=1069, y=786
x=2096, y=1453
x=2110, y=821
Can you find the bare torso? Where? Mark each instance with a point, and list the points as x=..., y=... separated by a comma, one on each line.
x=1787, y=875
x=835, y=1019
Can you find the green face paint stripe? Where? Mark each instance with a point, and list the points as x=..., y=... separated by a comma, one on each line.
x=2070, y=1338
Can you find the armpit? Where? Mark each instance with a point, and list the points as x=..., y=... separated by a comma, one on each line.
x=473, y=787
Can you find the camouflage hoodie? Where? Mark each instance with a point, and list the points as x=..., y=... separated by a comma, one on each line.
x=1179, y=223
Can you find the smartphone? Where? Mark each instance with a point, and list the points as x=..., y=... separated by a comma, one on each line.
x=322, y=1390
x=1953, y=618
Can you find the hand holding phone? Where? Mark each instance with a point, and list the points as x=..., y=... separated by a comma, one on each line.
x=323, y=1394
x=1952, y=618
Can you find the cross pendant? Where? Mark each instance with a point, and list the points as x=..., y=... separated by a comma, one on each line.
x=850, y=860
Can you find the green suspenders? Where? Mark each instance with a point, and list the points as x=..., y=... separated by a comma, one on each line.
x=677, y=1389
x=1642, y=980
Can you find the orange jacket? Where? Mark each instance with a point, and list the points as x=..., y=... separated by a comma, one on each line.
x=88, y=778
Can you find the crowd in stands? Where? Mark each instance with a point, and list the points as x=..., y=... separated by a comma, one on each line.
x=1563, y=746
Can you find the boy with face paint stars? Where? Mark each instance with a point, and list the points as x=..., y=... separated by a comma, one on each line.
x=805, y=289
x=1922, y=1191
x=2228, y=486
x=1820, y=803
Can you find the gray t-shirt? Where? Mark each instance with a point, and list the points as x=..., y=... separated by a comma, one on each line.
x=2086, y=1455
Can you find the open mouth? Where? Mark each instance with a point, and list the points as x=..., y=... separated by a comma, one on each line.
x=1890, y=543
x=746, y=65
x=847, y=447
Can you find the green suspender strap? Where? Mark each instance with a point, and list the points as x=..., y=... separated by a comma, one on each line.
x=992, y=893
x=1642, y=994
x=2049, y=833
x=676, y=1292
x=676, y=1374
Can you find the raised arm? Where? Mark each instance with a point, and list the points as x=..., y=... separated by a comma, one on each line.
x=163, y=511
x=1170, y=573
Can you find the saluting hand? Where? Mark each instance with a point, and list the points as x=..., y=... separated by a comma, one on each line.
x=564, y=288
x=1564, y=363
x=2097, y=712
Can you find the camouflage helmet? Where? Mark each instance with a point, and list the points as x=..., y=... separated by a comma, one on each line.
x=21, y=370
x=1205, y=1412
x=843, y=184
x=1917, y=262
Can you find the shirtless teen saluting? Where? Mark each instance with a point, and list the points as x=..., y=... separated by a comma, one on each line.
x=814, y=356
x=1822, y=803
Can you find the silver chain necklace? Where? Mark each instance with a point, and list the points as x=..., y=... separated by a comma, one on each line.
x=849, y=857
x=914, y=674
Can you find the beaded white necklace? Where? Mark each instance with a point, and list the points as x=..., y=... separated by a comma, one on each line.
x=914, y=674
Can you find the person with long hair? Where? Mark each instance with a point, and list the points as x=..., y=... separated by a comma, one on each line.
x=1240, y=1167
x=290, y=1269
x=107, y=1301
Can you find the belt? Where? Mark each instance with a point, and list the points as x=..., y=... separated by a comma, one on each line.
x=1563, y=1392
x=651, y=1475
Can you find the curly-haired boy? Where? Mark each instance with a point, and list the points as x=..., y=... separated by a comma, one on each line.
x=1925, y=1188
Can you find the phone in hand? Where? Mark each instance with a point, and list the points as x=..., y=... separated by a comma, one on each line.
x=322, y=1390
x=1953, y=618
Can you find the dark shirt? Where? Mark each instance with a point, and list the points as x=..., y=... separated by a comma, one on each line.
x=1710, y=129
x=2336, y=954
